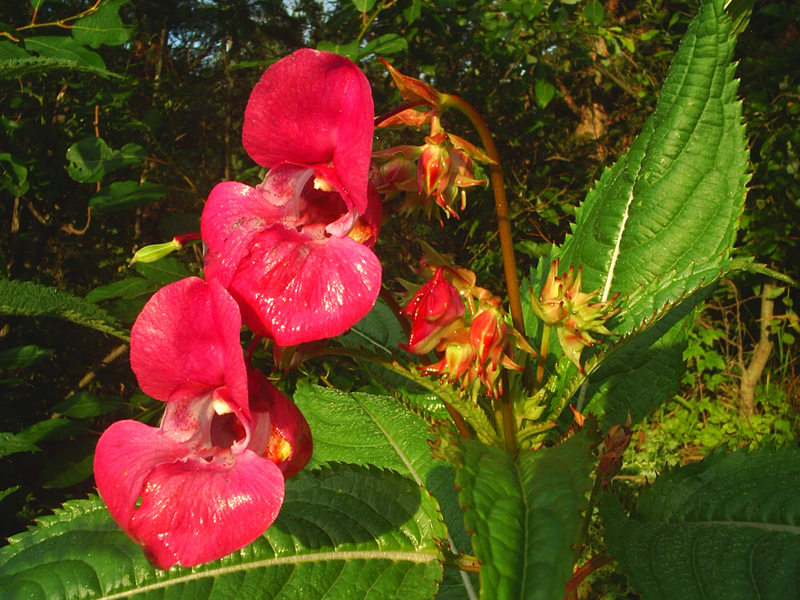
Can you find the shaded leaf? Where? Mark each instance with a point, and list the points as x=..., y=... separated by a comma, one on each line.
x=103, y=26
x=26, y=298
x=85, y=404
x=72, y=464
x=375, y=430
x=725, y=527
x=126, y=288
x=11, y=444
x=23, y=356
x=66, y=48
x=163, y=271
x=122, y=195
x=91, y=159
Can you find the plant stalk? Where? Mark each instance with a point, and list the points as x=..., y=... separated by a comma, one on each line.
x=500, y=204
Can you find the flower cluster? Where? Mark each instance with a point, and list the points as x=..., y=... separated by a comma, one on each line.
x=440, y=169
x=573, y=313
x=465, y=325
x=210, y=479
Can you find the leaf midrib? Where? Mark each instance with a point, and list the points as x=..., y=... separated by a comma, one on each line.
x=419, y=557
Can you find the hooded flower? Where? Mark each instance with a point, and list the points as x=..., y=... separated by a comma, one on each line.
x=205, y=483
x=295, y=251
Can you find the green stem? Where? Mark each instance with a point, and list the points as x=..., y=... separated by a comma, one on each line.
x=587, y=519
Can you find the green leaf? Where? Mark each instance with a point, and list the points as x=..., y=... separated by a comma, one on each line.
x=11, y=51
x=347, y=50
x=525, y=514
x=390, y=43
x=71, y=465
x=91, y=159
x=26, y=298
x=11, y=69
x=126, y=288
x=23, y=356
x=103, y=26
x=376, y=430
x=593, y=12
x=85, y=404
x=122, y=195
x=343, y=532
x=725, y=527
x=544, y=91
x=364, y=5
x=660, y=224
x=11, y=444
x=670, y=205
x=412, y=13
x=164, y=271
x=62, y=47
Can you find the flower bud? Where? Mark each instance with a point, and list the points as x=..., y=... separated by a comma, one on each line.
x=435, y=312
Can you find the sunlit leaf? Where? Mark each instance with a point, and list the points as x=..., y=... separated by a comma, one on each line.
x=343, y=532
x=525, y=515
x=26, y=298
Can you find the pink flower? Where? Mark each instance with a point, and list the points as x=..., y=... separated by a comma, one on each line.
x=295, y=251
x=199, y=486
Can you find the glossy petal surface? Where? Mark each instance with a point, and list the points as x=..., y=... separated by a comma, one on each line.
x=191, y=510
x=314, y=109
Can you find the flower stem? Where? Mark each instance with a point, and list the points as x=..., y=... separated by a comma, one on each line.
x=500, y=204
x=506, y=247
x=587, y=519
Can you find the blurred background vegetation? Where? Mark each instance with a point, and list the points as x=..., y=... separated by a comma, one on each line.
x=564, y=85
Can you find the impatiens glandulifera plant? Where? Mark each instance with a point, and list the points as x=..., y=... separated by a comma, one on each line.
x=421, y=486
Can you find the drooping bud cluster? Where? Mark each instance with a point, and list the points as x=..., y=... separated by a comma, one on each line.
x=434, y=174
x=465, y=325
x=572, y=312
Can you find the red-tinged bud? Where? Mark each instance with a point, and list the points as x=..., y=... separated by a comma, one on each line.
x=414, y=90
x=410, y=117
x=616, y=442
x=487, y=334
x=458, y=361
x=435, y=311
x=398, y=174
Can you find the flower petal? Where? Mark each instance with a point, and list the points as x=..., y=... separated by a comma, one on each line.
x=297, y=290
x=190, y=510
x=314, y=109
x=288, y=423
x=186, y=339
